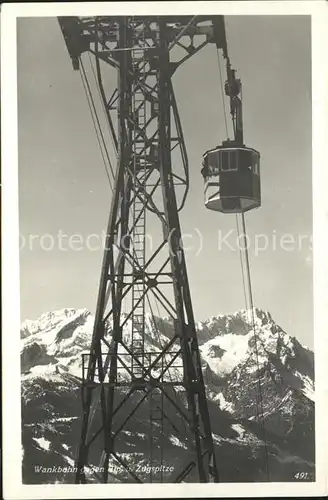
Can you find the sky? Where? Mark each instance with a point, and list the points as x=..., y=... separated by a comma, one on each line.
x=63, y=185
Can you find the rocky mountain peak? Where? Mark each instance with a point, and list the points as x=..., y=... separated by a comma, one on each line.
x=236, y=360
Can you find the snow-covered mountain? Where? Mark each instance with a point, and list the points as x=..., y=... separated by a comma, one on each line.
x=235, y=363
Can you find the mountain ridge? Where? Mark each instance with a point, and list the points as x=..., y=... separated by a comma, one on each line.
x=232, y=368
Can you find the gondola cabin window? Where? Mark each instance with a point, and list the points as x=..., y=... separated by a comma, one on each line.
x=228, y=160
x=213, y=164
x=221, y=161
x=246, y=160
x=256, y=164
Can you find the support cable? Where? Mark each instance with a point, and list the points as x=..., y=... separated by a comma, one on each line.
x=241, y=264
x=102, y=102
x=250, y=294
x=97, y=132
x=95, y=120
x=222, y=95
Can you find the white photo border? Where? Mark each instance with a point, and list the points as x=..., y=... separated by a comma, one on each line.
x=13, y=487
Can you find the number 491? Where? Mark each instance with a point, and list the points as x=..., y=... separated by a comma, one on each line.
x=301, y=475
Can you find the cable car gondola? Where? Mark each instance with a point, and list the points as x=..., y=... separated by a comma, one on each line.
x=232, y=178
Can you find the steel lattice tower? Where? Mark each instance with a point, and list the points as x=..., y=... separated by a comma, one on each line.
x=122, y=376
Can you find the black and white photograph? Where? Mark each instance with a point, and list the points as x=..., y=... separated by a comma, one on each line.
x=168, y=325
